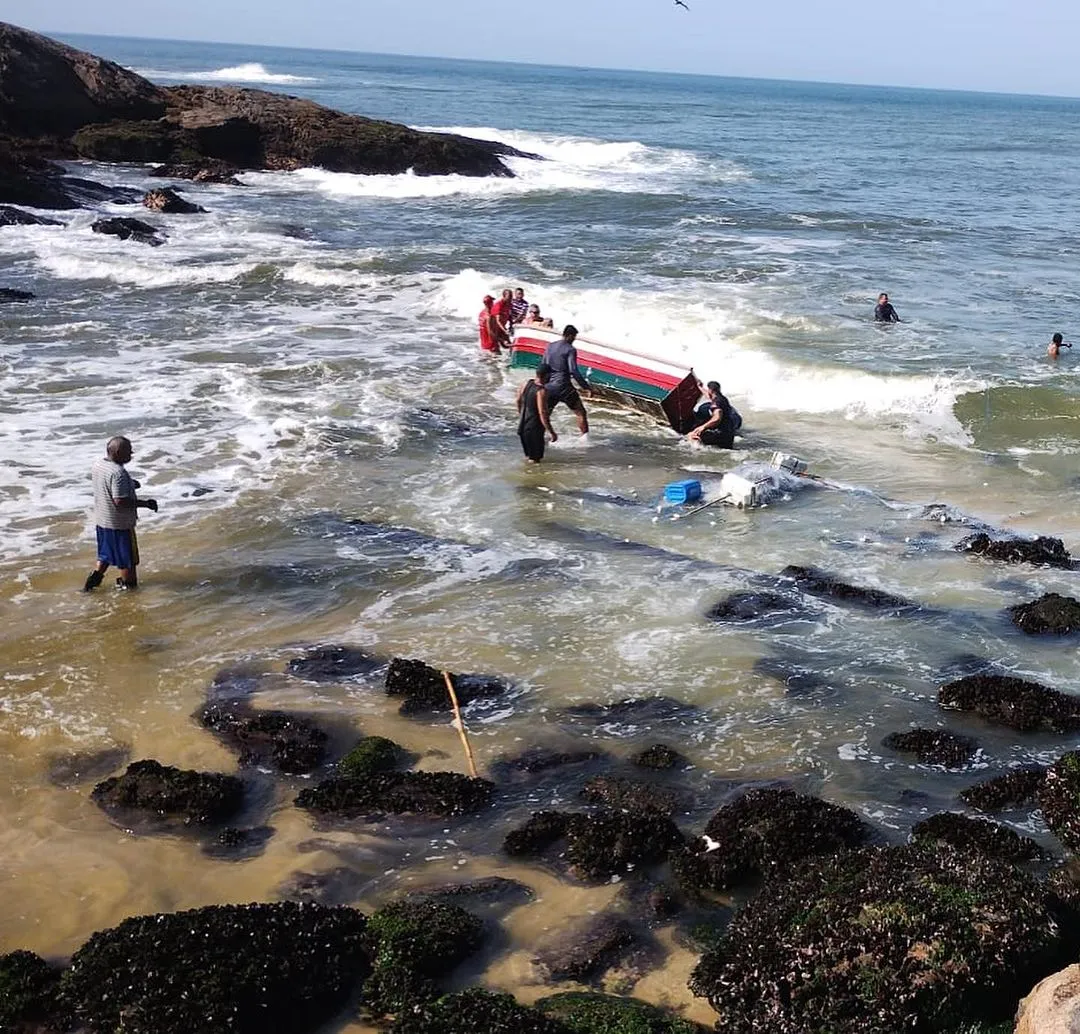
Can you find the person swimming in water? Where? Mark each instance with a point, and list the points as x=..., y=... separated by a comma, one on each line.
x=1057, y=343
x=884, y=312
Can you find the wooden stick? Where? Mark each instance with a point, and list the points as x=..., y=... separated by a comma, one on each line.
x=460, y=725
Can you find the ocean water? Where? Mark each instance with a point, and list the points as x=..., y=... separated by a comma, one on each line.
x=302, y=358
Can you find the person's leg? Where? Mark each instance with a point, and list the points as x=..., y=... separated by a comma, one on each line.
x=97, y=575
x=129, y=575
x=718, y=439
x=582, y=418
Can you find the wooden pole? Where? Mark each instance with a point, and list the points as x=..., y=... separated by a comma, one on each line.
x=460, y=725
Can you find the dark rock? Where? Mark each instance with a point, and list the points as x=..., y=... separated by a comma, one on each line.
x=1003, y=792
x=7, y=294
x=1043, y=551
x=48, y=89
x=1012, y=702
x=415, y=946
x=129, y=229
x=610, y=844
x=489, y=890
x=424, y=687
x=89, y=192
x=635, y=712
x=749, y=606
x=765, y=832
x=1063, y=882
x=654, y=903
x=371, y=755
x=590, y=1013
x=332, y=664
x=398, y=793
x=1059, y=798
x=659, y=757
x=934, y=746
x=475, y=1011
x=28, y=987
x=630, y=795
x=204, y=171
x=236, y=845
x=883, y=940
x=27, y=179
x=290, y=743
x=222, y=968
x=82, y=766
x=587, y=950
x=17, y=217
x=1051, y=614
x=977, y=835
x=233, y=684
x=796, y=679
x=338, y=886
x=542, y=830
x=827, y=586
x=538, y=760
x=150, y=790
x=165, y=199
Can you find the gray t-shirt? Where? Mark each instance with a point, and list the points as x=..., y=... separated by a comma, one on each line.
x=112, y=481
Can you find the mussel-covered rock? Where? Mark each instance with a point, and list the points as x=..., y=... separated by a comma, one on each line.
x=166, y=199
x=1043, y=551
x=288, y=742
x=424, y=687
x=630, y=795
x=398, y=793
x=415, y=945
x=763, y=833
x=244, y=969
x=827, y=586
x=1012, y=790
x=883, y=940
x=977, y=835
x=586, y=950
x=609, y=844
x=475, y=1011
x=371, y=755
x=934, y=746
x=332, y=663
x=1051, y=614
x=152, y=791
x=1059, y=798
x=28, y=987
x=659, y=757
x=750, y=606
x=207, y=170
x=540, y=831
x=127, y=229
x=636, y=712
x=233, y=844
x=586, y=1012
x=497, y=892
x=1012, y=702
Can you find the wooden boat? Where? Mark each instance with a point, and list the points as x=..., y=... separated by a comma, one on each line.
x=664, y=390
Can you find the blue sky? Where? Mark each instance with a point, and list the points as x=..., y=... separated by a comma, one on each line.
x=1027, y=46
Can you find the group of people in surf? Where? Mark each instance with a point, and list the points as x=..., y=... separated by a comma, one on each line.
x=500, y=315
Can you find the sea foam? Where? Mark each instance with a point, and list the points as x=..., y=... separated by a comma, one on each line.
x=249, y=72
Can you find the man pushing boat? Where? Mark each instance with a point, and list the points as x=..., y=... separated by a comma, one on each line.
x=561, y=358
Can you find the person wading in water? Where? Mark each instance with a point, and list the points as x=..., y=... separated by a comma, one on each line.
x=561, y=358
x=532, y=404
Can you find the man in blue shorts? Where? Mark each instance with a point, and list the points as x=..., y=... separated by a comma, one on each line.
x=115, y=514
x=561, y=357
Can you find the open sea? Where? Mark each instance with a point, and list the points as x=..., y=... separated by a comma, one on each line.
x=335, y=462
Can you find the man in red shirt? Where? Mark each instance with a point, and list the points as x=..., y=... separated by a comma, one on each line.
x=487, y=324
x=504, y=313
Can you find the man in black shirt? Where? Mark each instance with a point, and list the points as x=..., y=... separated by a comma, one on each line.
x=720, y=424
x=561, y=358
x=884, y=312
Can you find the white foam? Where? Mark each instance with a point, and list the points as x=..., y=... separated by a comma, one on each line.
x=249, y=72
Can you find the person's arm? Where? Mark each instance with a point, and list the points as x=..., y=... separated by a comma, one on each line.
x=574, y=371
x=715, y=418
x=542, y=409
x=521, y=395
x=122, y=490
x=895, y=316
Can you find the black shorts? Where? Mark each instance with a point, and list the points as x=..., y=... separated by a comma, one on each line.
x=532, y=443
x=718, y=437
x=568, y=396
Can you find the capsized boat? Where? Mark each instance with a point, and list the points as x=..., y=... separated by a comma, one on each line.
x=667, y=391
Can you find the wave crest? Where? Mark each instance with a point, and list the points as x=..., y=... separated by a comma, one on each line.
x=249, y=72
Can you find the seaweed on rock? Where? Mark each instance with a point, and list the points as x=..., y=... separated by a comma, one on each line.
x=1014, y=703
x=630, y=795
x=238, y=968
x=585, y=1012
x=1059, y=798
x=610, y=844
x=371, y=755
x=881, y=940
x=414, y=945
x=934, y=746
x=474, y=1011
x=1043, y=551
x=154, y=791
x=290, y=743
x=443, y=794
x=28, y=987
x=542, y=829
x=424, y=687
x=1011, y=790
x=762, y=833
x=1051, y=614
x=990, y=838
x=659, y=757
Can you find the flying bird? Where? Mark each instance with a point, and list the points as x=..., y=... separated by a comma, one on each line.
x=679, y=3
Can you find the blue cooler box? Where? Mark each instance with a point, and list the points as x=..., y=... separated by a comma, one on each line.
x=688, y=491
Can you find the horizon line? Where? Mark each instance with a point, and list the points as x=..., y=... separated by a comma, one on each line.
x=581, y=68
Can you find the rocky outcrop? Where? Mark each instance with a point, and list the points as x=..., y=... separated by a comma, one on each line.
x=1052, y=614
x=151, y=792
x=659, y=757
x=1042, y=551
x=750, y=606
x=332, y=663
x=1059, y=798
x=167, y=200
x=621, y=794
x=424, y=687
x=541, y=761
x=129, y=230
x=934, y=746
x=371, y=755
x=1011, y=790
x=442, y=794
x=8, y=294
x=590, y=1013
x=586, y=950
x=1012, y=702
x=207, y=170
x=976, y=835
x=475, y=1011
x=287, y=742
x=17, y=217
x=28, y=986
x=1053, y=1007
x=827, y=586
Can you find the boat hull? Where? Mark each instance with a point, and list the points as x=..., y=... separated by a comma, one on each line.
x=663, y=390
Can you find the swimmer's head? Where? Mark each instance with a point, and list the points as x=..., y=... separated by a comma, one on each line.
x=1057, y=339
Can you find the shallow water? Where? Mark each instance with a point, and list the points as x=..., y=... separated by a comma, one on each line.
x=301, y=360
